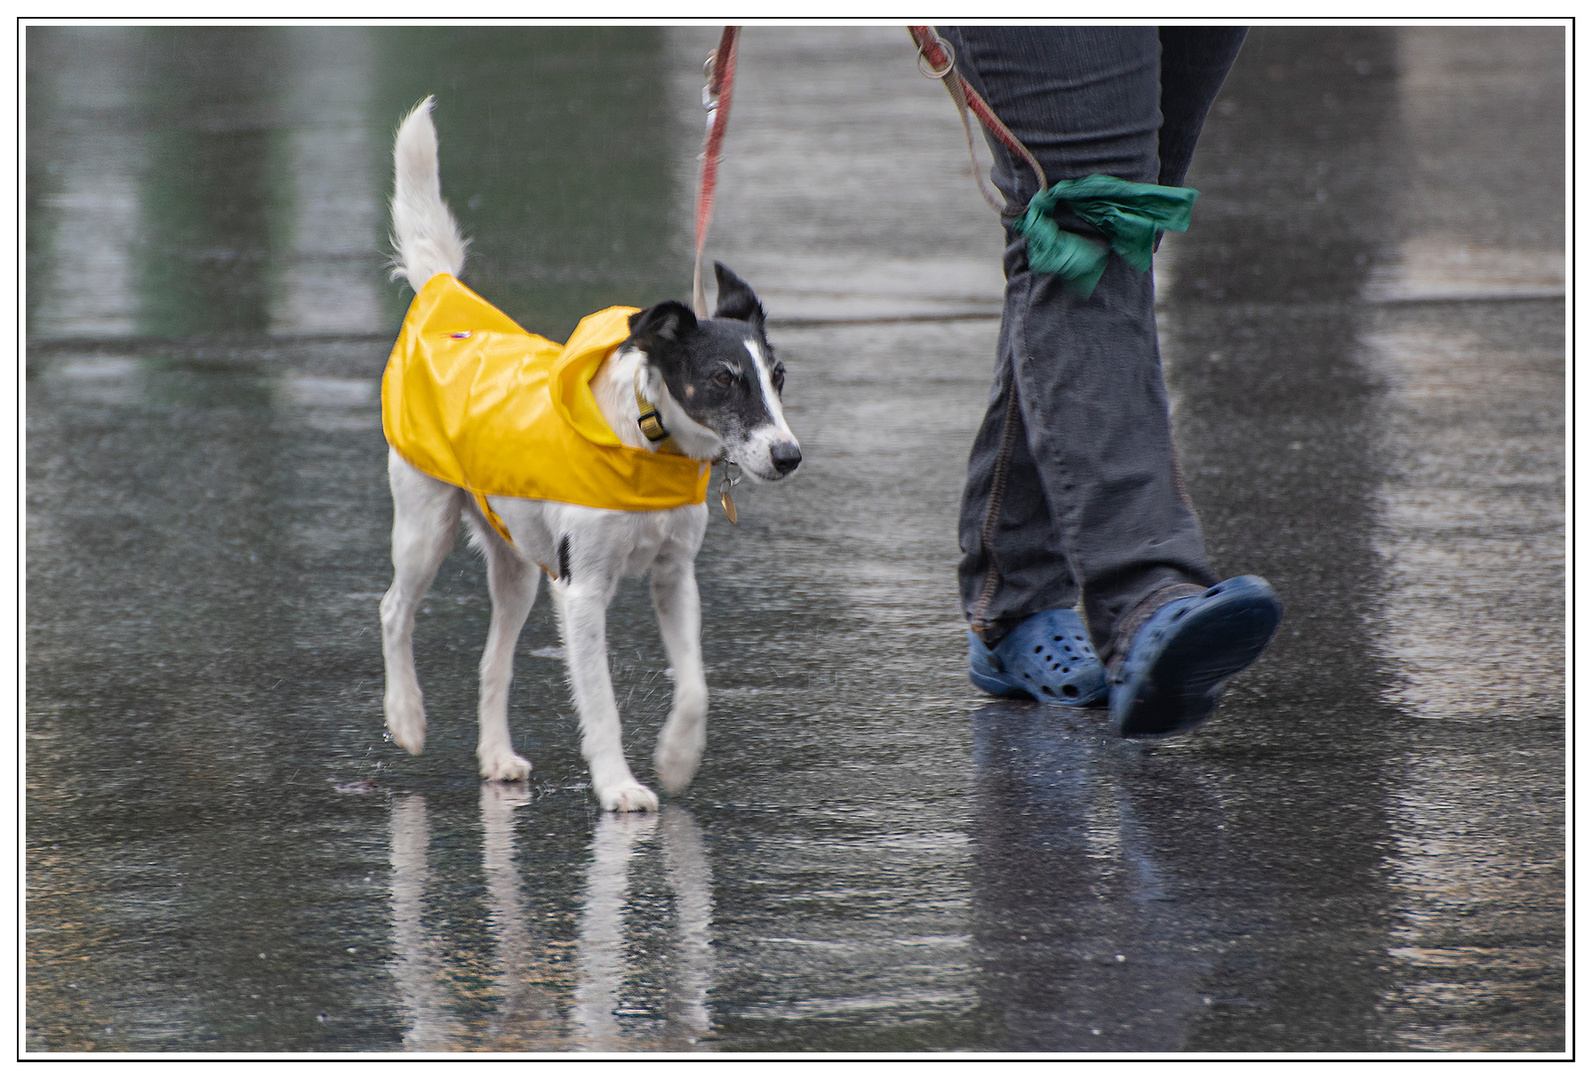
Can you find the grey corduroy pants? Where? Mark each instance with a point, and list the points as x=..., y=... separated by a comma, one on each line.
x=1073, y=485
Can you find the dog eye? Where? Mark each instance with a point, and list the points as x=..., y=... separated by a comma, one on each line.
x=723, y=377
x=777, y=376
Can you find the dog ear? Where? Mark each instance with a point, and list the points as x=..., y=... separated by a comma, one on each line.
x=736, y=298
x=662, y=323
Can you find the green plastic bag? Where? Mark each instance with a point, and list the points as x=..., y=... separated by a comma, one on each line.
x=1129, y=214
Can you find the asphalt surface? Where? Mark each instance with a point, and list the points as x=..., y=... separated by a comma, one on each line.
x=1364, y=335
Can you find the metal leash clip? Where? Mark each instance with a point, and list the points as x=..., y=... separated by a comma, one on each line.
x=732, y=477
x=710, y=99
x=927, y=67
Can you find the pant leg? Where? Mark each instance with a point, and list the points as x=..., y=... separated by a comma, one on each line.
x=1013, y=561
x=1195, y=61
x=1084, y=375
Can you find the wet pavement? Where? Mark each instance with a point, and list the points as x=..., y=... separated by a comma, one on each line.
x=1364, y=339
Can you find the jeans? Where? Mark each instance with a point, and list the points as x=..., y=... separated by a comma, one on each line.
x=1073, y=484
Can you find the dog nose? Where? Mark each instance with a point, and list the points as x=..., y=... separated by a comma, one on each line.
x=786, y=456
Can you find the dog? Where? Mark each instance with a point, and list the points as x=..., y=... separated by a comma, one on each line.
x=663, y=392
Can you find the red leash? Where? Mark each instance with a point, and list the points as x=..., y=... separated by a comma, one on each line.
x=721, y=71
x=933, y=49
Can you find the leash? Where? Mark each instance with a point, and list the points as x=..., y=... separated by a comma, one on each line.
x=1128, y=214
x=721, y=72
x=936, y=52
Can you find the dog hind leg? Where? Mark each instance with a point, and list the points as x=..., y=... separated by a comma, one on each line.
x=512, y=583
x=425, y=516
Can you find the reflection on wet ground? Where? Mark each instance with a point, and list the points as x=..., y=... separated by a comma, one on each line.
x=623, y=1000
x=1364, y=340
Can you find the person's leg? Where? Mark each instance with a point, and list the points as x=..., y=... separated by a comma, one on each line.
x=1085, y=375
x=1013, y=561
x=1018, y=591
x=1195, y=61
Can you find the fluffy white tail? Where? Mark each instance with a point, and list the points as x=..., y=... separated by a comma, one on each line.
x=426, y=238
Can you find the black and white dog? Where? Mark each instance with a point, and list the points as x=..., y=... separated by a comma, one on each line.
x=716, y=386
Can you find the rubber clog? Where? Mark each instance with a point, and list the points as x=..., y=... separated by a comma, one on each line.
x=1047, y=657
x=1174, y=669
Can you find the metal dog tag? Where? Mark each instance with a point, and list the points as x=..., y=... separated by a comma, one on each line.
x=732, y=477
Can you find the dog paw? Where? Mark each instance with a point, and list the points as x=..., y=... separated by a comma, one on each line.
x=406, y=725
x=679, y=750
x=676, y=764
x=503, y=764
x=628, y=797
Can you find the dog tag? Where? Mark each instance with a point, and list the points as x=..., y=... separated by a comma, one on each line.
x=732, y=477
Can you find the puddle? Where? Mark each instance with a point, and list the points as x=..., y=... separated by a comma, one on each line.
x=874, y=858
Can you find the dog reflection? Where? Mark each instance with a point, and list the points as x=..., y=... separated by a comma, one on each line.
x=607, y=996
x=417, y=966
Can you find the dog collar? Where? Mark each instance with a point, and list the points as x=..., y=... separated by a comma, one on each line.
x=652, y=426
x=651, y=423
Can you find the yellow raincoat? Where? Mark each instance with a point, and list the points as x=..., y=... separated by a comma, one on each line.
x=471, y=399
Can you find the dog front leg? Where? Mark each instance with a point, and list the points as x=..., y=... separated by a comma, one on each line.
x=681, y=741
x=583, y=611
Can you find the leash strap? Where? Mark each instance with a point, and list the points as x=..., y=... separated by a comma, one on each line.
x=934, y=51
x=721, y=72
x=1130, y=215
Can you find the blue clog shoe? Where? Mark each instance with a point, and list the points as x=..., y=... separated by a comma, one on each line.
x=1047, y=657
x=1173, y=672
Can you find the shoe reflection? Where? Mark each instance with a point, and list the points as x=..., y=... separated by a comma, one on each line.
x=619, y=991
x=1105, y=888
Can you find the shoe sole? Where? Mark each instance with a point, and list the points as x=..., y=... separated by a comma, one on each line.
x=997, y=686
x=1184, y=684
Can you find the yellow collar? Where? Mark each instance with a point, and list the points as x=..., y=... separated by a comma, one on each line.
x=652, y=424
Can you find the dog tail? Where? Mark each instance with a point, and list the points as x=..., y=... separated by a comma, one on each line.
x=426, y=239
